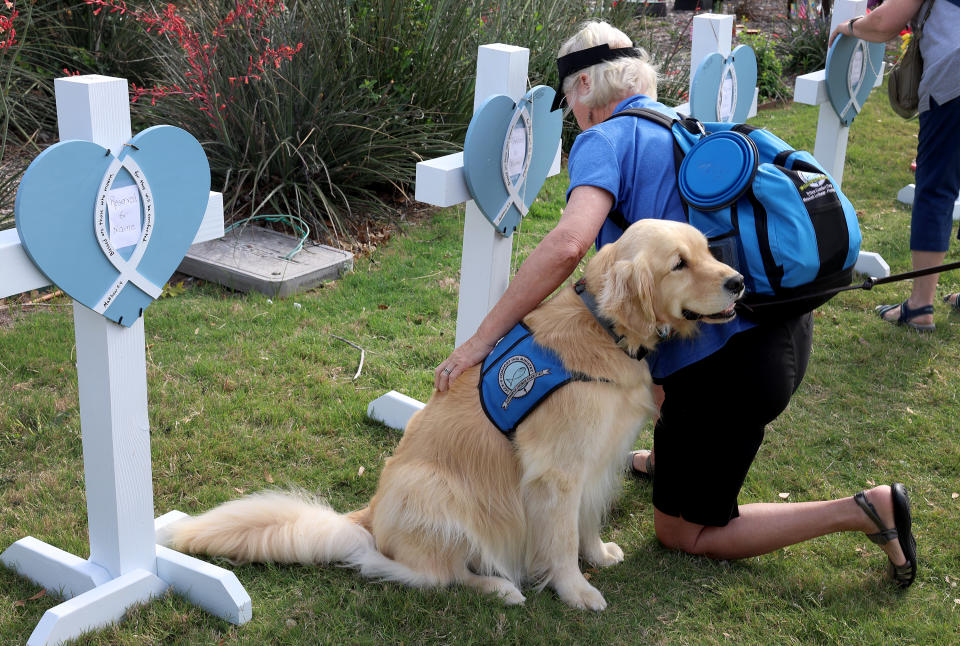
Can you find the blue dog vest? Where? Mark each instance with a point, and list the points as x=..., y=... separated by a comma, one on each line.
x=517, y=376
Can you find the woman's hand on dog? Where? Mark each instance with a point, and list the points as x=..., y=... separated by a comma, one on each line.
x=472, y=352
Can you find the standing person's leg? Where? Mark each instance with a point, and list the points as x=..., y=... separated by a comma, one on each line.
x=937, y=185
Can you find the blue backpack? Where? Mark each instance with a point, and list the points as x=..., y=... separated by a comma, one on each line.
x=769, y=211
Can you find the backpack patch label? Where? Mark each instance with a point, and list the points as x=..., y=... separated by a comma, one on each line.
x=814, y=186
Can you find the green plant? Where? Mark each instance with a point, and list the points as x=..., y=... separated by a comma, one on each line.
x=331, y=116
x=673, y=72
x=58, y=37
x=39, y=41
x=319, y=108
x=804, y=49
x=769, y=68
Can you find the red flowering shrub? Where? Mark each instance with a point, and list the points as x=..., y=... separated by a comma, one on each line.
x=8, y=32
x=200, y=50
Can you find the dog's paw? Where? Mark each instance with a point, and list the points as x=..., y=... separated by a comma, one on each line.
x=613, y=554
x=511, y=597
x=581, y=595
x=605, y=555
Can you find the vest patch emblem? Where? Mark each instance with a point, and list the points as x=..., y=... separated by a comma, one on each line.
x=517, y=377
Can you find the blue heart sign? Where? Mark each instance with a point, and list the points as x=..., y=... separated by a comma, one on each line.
x=110, y=230
x=722, y=87
x=853, y=66
x=508, y=152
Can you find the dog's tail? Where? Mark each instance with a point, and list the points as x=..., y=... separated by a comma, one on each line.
x=286, y=528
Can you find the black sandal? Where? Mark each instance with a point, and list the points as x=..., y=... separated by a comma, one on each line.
x=902, y=575
x=647, y=474
x=955, y=304
x=907, y=315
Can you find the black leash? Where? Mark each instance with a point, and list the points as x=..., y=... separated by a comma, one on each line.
x=868, y=284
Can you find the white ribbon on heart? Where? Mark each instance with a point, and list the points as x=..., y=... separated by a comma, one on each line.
x=856, y=73
x=127, y=268
x=513, y=195
x=729, y=71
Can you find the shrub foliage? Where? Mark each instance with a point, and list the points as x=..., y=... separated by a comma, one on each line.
x=314, y=108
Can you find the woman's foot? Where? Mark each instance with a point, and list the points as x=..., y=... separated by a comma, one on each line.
x=641, y=464
x=953, y=300
x=918, y=317
x=887, y=509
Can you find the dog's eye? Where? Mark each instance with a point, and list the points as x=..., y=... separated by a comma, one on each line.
x=680, y=264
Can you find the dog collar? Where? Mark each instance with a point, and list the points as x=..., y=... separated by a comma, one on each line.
x=580, y=287
x=581, y=59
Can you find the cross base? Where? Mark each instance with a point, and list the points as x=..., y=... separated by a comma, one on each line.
x=905, y=196
x=394, y=409
x=94, y=599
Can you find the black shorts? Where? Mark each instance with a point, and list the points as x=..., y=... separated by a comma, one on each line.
x=714, y=414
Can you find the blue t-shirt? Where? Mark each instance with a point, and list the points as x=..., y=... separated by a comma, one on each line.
x=632, y=159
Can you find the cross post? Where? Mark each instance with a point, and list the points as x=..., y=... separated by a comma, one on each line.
x=125, y=567
x=712, y=32
x=830, y=148
x=485, y=262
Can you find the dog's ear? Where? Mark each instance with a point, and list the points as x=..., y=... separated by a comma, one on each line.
x=627, y=298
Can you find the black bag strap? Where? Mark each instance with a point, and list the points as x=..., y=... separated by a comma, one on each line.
x=689, y=124
x=781, y=157
x=692, y=125
x=918, y=28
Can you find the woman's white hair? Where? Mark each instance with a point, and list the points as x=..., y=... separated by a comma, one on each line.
x=609, y=80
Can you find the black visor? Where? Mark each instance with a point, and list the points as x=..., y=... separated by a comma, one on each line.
x=575, y=61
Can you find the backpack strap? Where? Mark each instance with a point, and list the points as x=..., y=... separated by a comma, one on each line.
x=780, y=158
x=690, y=124
x=616, y=216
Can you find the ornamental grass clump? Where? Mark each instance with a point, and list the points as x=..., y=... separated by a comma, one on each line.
x=319, y=109
x=804, y=48
x=9, y=23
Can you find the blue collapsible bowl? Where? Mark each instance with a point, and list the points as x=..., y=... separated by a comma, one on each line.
x=717, y=170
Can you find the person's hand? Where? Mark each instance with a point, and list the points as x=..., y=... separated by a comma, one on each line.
x=835, y=33
x=844, y=28
x=473, y=351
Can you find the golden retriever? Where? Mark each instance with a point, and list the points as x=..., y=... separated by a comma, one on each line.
x=458, y=502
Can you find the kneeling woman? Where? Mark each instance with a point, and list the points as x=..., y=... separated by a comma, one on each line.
x=708, y=431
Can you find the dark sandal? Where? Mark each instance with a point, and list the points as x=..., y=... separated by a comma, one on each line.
x=647, y=474
x=954, y=305
x=907, y=315
x=902, y=575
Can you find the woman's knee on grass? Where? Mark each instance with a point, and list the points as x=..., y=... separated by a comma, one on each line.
x=675, y=533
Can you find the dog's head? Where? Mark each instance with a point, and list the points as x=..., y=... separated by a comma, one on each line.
x=661, y=275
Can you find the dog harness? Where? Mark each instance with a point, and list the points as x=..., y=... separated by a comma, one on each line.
x=518, y=375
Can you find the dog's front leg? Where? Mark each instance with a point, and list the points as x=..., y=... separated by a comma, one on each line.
x=597, y=494
x=552, y=502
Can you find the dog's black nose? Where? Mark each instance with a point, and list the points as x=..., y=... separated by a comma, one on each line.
x=734, y=285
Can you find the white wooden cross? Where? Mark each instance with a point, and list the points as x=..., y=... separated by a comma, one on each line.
x=126, y=566
x=485, y=264
x=830, y=148
x=712, y=32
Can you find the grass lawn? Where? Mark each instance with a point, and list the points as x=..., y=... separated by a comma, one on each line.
x=247, y=394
